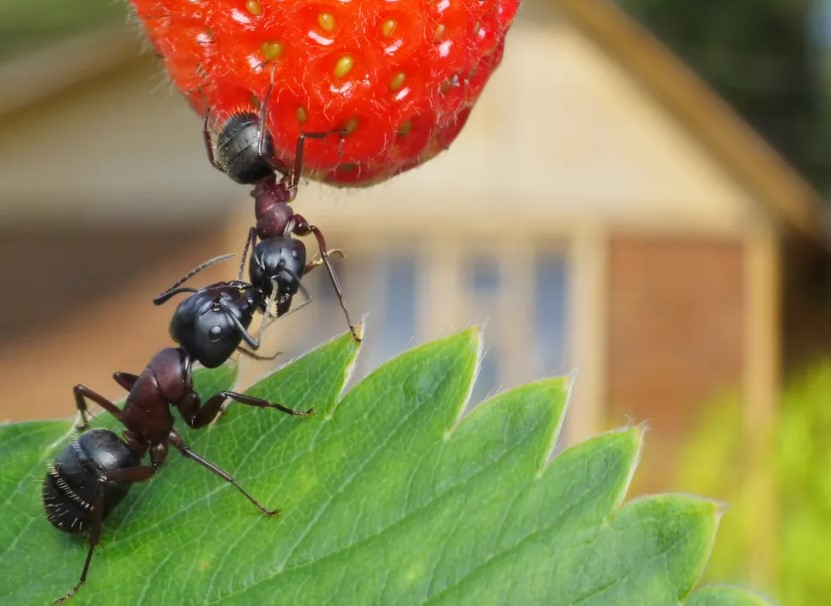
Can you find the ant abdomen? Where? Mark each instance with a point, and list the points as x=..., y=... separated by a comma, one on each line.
x=69, y=489
x=237, y=149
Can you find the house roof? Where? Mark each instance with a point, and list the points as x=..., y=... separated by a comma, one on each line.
x=733, y=142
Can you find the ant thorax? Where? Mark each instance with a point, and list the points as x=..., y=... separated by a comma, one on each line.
x=274, y=215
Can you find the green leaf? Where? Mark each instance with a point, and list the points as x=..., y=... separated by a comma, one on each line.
x=387, y=497
x=725, y=596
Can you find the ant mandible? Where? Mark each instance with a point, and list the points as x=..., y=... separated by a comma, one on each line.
x=245, y=152
x=96, y=471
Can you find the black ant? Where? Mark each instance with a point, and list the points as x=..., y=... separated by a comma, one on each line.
x=213, y=321
x=245, y=152
x=95, y=472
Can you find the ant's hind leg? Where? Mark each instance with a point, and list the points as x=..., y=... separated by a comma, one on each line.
x=186, y=452
x=94, y=539
x=127, y=476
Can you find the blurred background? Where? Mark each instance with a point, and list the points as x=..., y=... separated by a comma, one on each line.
x=640, y=195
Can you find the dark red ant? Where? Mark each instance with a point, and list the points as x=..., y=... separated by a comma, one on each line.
x=95, y=472
x=245, y=152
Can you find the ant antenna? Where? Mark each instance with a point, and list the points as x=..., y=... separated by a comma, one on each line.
x=174, y=290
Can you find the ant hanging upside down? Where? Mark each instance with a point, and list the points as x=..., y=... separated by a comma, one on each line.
x=96, y=471
x=245, y=152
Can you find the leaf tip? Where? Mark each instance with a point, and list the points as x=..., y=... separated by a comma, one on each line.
x=474, y=335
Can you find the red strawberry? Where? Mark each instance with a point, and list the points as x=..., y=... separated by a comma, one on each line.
x=401, y=76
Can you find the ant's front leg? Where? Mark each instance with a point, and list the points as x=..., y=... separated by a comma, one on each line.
x=250, y=241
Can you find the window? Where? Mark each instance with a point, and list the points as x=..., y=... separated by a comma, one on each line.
x=550, y=310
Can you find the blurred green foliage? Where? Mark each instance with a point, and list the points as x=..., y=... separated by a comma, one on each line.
x=768, y=58
x=30, y=24
x=715, y=463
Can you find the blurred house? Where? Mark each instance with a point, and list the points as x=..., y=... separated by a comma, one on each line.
x=603, y=211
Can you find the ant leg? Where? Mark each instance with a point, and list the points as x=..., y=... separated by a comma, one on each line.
x=125, y=379
x=303, y=228
x=81, y=394
x=260, y=403
x=216, y=403
x=186, y=452
x=206, y=413
x=249, y=242
x=198, y=415
x=299, y=150
x=94, y=539
x=260, y=358
x=268, y=320
x=243, y=332
x=130, y=475
x=209, y=144
x=175, y=290
x=319, y=261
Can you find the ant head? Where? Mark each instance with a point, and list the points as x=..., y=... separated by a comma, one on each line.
x=237, y=149
x=209, y=324
x=282, y=261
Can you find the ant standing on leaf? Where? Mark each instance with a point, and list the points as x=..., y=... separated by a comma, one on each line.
x=245, y=152
x=96, y=471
